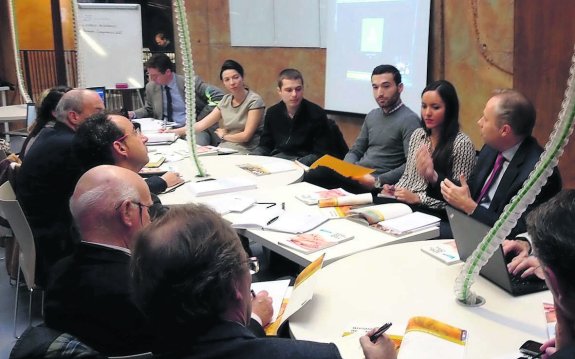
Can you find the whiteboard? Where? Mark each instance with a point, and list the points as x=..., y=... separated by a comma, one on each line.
x=278, y=23
x=109, y=40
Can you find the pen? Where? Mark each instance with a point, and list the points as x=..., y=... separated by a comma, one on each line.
x=269, y=204
x=273, y=220
x=253, y=293
x=378, y=333
x=205, y=180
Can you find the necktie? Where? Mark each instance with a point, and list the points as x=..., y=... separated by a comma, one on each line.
x=496, y=169
x=169, y=108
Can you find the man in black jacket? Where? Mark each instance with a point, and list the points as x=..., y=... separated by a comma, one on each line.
x=295, y=128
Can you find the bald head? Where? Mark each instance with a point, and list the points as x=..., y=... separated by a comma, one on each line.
x=77, y=105
x=108, y=204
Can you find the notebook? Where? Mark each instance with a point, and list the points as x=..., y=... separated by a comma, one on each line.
x=468, y=233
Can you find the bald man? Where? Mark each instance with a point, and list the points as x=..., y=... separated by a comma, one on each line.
x=88, y=293
x=48, y=176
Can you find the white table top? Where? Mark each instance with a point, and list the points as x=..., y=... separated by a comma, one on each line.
x=397, y=282
x=12, y=113
x=365, y=238
x=220, y=167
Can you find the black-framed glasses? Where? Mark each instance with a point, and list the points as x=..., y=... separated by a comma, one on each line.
x=253, y=265
x=140, y=207
x=137, y=131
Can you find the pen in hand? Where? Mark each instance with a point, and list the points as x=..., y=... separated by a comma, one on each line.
x=378, y=333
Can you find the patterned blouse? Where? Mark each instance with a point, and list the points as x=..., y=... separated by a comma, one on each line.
x=462, y=158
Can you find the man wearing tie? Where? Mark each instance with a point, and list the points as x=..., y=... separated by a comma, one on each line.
x=165, y=97
x=504, y=163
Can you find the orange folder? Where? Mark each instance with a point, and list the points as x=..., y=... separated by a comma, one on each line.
x=343, y=168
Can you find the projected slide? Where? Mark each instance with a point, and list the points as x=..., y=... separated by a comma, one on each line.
x=364, y=34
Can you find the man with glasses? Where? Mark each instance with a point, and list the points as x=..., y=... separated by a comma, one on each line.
x=105, y=139
x=192, y=280
x=48, y=176
x=165, y=97
x=88, y=293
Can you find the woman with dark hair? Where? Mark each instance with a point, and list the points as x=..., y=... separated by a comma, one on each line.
x=436, y=151
x=239, y=113
x=45, y=117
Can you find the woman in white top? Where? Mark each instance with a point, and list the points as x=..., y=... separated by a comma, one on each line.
x=239, y=113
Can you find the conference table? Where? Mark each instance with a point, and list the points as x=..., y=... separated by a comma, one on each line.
x=395, y=283
x=278, y=188
x=11, y=114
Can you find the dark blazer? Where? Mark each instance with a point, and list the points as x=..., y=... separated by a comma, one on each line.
x=45, y=183
x=565, y=353
x=305, y=136
x=207, y=97
x=88, y=295
x=232, y=340
x=517, y=172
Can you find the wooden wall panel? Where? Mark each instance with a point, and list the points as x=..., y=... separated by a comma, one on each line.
x=544, y=42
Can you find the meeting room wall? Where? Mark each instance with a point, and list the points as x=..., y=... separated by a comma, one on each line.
x=471, y=43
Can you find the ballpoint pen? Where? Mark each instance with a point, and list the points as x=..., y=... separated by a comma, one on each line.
x=379, y=332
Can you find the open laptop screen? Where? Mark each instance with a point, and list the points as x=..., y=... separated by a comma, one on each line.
x=100, y=90
x=30, y=114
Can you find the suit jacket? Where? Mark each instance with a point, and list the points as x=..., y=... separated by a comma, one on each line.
x=207, y=97
x=565, y=353
x=45, y=183
x=517, y=172
x=89, y=296
x=232, y=340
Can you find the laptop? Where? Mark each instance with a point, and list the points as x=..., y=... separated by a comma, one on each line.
x=30, y=118
x=100, y=90
x=468, y=233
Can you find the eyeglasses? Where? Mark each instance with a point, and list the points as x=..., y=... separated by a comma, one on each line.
x=137, y=131
x=253, y=265
x=140, y=206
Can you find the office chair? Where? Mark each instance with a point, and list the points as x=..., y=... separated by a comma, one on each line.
x=12, y=211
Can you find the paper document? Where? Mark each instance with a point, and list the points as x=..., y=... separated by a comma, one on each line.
x=277, y=290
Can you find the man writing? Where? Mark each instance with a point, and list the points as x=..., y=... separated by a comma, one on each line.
x=192, y=279
x=504, y=163
x=47, y=178
x=165, y=97
x=294, y=128
x=383, y=141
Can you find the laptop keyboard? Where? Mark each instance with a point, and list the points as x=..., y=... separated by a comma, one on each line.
x=530, y=284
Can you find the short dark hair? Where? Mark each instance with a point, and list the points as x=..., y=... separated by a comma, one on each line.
x=231, y=65
x=290, y=74
x=184, y=269
x=551, y=228
x=93, y=141
x=161, y=62
x=388, y=69
x=515, y=110
x=443, y=153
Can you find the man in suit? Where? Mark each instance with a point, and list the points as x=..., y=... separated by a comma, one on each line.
x=295, y=128
x=551, y=227
x=88, y=293
x=47, y=178
x=504, y=163
x=105, y=139
x=165, y=97
x=192, y=279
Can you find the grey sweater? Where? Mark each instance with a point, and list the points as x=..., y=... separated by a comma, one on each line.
x=383, y=143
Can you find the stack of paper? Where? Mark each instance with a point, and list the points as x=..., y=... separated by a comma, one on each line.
x=161, y=138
